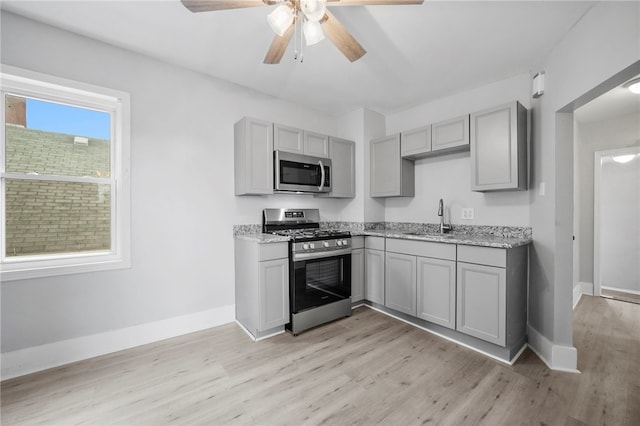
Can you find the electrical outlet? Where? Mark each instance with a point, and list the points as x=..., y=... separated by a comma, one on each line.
x=467, y=213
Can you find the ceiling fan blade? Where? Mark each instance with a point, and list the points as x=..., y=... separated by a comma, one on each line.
x=343, y=40
x=210, y=5
x=279, y=46
x=372, y=2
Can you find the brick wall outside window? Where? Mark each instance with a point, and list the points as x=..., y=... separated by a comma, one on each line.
x=44, y=217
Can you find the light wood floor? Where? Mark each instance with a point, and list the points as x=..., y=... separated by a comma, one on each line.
x=365, y=369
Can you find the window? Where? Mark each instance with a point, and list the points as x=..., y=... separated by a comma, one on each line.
x=64, y=172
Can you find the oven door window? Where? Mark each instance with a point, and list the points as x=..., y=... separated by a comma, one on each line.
x=320, y=281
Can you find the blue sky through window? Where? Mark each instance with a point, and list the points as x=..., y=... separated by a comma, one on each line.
x=67, y=119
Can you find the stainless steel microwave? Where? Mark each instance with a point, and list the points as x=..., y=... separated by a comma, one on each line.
x=301, y=173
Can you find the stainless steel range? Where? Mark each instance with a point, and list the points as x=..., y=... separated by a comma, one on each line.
x=319, y=267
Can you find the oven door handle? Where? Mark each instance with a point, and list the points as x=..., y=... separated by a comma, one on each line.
x=321, y=187
x=320, y=255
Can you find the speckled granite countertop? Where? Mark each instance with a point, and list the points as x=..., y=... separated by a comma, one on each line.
x=453, y=238
x=484, y=236
x=262, y=238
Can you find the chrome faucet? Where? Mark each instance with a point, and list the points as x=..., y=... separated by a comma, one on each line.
x=443, y=227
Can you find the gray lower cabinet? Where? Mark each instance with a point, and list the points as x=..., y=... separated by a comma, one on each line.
x=499, y=148
x=400, y=282
x=357, y=269
x=482, y=302
x=262, y=286
x=391, y=175
x=253, y=157
x=436, y=285
x=492, y=294
x=374, y=269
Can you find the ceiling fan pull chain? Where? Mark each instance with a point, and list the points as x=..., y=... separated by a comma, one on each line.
x=295, y=37
x=301, y=48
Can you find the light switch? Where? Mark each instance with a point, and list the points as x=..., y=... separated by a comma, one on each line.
x=541, y=189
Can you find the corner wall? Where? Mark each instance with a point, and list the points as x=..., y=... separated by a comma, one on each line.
x=183, y=205
x=604, y=42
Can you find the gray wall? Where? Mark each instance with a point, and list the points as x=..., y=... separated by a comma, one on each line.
x=183, y=205
x=619, y=132
x=604, y=42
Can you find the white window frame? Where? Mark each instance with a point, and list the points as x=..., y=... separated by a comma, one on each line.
x=21, y=82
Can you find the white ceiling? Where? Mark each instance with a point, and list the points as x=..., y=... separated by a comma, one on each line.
x=415, y=53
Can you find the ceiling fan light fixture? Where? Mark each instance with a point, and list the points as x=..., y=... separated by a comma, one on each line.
x=280, y=19
x=312, y=32
x=313, y=10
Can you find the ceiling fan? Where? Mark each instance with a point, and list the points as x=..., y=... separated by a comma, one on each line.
x=316, y=19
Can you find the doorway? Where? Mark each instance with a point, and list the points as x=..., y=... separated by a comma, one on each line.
x=617, y=224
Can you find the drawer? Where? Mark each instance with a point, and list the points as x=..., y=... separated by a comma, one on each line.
x=273, y=251
x=422, y=248
x=376, y=243
x=483, y=255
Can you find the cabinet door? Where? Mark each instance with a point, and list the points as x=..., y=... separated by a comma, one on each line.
x=343, y=168
x=481, y=302
x=374, y=275
x=287, y=138
x=253, y=157
x=499, y=148
x=316, y=144
x=415, y=143
x=391, y=175
x=400, y=283
x=357, y=275
x=450, y=134
x=274, y=293
x=436, y=284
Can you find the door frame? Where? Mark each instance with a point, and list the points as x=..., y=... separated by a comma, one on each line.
x=597, y=174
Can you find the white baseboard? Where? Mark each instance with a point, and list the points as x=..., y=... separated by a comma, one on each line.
x=556, y=357
x=580, y=289
x=37, y=358
x=623, y=290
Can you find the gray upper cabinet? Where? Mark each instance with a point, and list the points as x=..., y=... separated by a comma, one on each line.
x=343, y=161
x=450, y=135
x=415, y=143
x=316, y=144
x=288, y=139
x=253, y=157
x=291, y=139
x=499, y=148
x=391, y=175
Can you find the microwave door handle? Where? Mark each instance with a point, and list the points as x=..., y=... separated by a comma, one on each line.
x=321, y=187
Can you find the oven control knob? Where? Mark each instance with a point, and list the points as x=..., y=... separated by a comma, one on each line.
x=311, y=245
x=345, y=242
x=325, y=243
x=339, y=242
x=305, y=246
